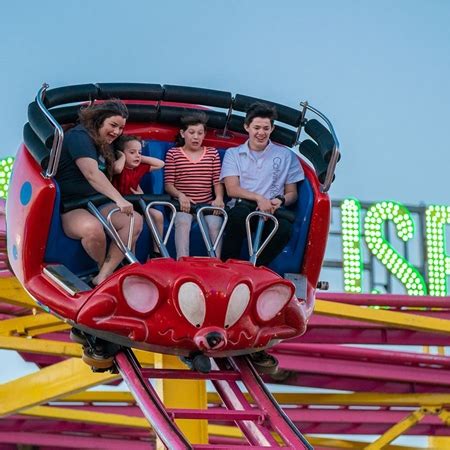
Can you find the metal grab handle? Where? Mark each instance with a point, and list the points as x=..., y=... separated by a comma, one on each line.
x=160, y=241
x=210, y=246
x=335, y=153
x=112, y=232
x=58, y=135
x=255, y=249
x=130, y=228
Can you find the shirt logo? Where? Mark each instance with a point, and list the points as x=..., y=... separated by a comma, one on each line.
x=275, y=187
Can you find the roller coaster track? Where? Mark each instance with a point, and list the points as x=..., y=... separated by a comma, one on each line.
x=255, y=423
x=383, y=391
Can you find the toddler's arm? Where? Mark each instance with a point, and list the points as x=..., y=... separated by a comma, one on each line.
x=119, y=163
x=153, y=163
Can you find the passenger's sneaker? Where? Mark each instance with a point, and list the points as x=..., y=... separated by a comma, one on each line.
x=199, y=362
x=264, y=363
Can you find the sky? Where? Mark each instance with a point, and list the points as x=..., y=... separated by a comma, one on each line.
x=379, y=70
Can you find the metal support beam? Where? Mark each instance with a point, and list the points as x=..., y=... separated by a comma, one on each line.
x=41, y=346
x=48, y=384
x=12, y=292
x=392, y=318
x=32, y=325
x=177, y=393
x=397, y=430
x=323, y=443
x=58, y=348
x=289, y=398
x=83, y=416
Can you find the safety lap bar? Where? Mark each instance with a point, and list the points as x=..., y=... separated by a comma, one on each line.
x=112, y=232
x=211, y=247
x=161, y=241
x=255, y=247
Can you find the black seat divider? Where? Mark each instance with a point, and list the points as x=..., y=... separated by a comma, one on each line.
x=66, y=114
x=37, y=149
x=40, y=124
x=287, y=115
x=142, y=113
x=207, y=97
x=70, y=94
x=322, y=136
x=311, y=151
x=130, y=91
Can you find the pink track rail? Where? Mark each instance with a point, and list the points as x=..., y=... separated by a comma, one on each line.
x=257, y=421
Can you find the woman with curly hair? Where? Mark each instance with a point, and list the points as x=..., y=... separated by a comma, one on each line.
x=85, y=169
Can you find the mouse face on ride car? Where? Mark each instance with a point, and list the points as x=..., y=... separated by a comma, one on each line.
x=195, y=304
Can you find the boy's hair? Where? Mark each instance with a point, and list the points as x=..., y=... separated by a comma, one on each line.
x=196, y=118
x=262, y=110
x=119, y=143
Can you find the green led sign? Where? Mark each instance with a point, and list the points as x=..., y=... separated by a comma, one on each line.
x=5, y=174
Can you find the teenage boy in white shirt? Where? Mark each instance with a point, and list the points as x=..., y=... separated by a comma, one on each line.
x=265, y=173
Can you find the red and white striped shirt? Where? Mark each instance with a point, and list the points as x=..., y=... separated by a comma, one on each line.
x=193, y=178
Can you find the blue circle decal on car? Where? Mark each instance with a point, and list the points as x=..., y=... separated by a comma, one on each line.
x=25, y=193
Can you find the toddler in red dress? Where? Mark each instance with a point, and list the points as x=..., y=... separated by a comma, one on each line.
x=129, y=168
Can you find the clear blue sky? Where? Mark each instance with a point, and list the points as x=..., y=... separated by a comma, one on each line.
x=379, y=70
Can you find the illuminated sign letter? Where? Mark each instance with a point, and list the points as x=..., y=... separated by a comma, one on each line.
x=376, y=215
x=351, y=245
x=438, y=261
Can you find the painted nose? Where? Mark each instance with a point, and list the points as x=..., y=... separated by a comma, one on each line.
x=214, y=339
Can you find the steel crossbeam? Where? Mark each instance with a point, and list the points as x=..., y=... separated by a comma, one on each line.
x=48, y=384
x=391, y=318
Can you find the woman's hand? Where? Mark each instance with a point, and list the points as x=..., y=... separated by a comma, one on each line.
x=125, y=206
x=185, y=203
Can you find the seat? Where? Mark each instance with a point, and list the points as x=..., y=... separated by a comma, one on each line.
x=69, y=252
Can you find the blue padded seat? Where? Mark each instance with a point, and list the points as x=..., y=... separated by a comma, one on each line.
x=289, y=260
x=69, y=252
x=64, y=250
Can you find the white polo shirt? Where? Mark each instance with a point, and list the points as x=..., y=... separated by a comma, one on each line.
x=265, y=172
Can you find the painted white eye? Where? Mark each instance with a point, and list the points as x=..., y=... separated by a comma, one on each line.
x=192, y=303
x=141, y=294
x=236, y=306
x=271, y=301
